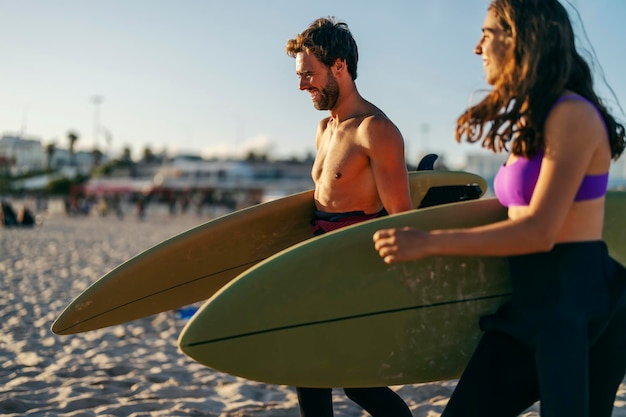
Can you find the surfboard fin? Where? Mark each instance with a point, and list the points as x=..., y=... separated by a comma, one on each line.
x=427, y=163
x=446, y=193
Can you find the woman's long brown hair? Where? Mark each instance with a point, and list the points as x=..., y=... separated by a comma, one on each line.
x=543, y=64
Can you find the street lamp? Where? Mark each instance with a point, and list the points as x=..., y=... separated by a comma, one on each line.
x=96, y=100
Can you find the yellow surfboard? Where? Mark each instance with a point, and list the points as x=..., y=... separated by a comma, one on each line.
x=192, y=266
x=329, y=312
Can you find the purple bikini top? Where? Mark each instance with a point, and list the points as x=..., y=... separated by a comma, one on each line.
x=514, y=184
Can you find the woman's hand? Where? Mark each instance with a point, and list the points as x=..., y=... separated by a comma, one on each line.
x=398, y=245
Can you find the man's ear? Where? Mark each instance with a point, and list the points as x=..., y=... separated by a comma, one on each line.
x=339, y=65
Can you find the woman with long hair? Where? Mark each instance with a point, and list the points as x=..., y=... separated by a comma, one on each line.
x=561, y=339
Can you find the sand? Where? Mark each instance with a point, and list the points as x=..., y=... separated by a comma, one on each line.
x=133, y=369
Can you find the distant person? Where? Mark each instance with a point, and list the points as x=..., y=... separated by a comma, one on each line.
x=359, y=170
x=562, y=337
x=26, y=218
x=118, y=206
x=141, y=207
x=9, y=217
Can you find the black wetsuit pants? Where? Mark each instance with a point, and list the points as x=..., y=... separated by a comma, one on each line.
x=560, y=341
x=501, y=379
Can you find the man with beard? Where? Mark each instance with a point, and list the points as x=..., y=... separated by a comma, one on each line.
x=359, y=170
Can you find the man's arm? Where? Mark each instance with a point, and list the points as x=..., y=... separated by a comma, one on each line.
x=385, y=147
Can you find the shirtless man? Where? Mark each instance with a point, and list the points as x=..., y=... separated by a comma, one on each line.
x=359, y=170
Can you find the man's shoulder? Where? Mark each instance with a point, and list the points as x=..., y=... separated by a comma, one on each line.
x=378, y=117
x=376, y=122
x=373, y=114
x=378, y=130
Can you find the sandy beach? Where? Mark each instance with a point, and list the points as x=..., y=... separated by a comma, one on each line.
x=133, y=369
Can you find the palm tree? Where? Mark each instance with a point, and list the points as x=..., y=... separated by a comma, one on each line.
x=72, y=137
x=97, y=156
x=148, y=155
x=50, y=149
x=126, y=155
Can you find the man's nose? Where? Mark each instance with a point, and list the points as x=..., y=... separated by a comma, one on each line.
x=304, y=83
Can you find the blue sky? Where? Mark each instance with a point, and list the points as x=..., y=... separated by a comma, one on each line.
x=212, y=76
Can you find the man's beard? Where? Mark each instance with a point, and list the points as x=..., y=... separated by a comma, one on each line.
x=329, y=94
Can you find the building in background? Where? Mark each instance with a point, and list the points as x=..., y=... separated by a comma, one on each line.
x=24, y=154
x=264, y=179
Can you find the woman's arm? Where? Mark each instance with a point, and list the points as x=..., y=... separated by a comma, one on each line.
x=573, y=134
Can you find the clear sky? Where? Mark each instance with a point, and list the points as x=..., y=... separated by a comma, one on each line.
x=212, y=77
